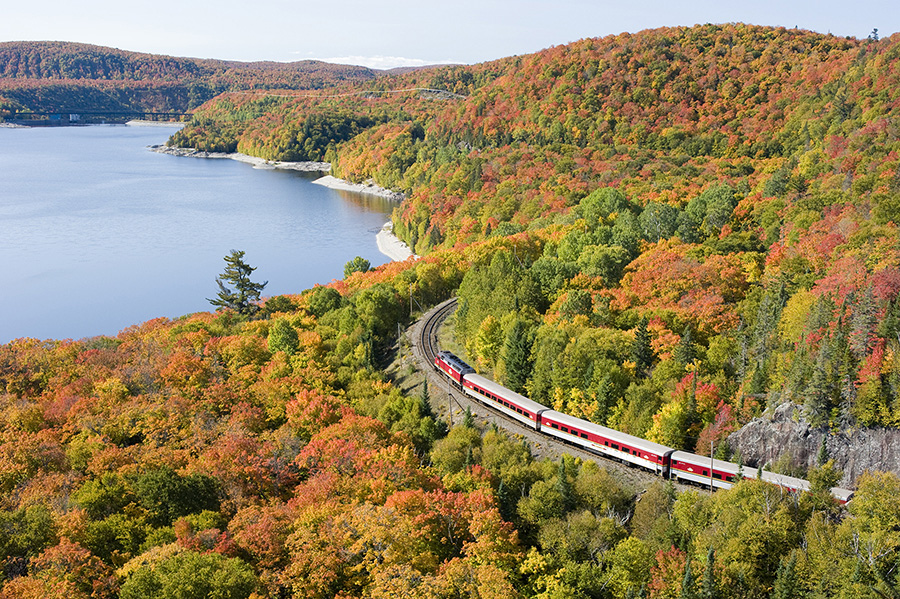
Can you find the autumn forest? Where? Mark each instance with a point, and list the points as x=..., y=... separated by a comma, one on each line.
x=671, y=233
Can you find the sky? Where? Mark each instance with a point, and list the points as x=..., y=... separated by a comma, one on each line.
x=390, y=33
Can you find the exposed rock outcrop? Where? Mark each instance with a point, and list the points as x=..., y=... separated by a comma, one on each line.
x=784, y=431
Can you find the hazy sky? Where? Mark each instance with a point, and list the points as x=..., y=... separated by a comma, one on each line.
x=389, y=33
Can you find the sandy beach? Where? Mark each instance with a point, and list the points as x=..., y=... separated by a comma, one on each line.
x=143, y=123
x=391, y=246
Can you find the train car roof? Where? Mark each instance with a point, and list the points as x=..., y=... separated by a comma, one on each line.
x=843, y=495
x=730, y=467
x=501, y=391
x=785, y=481
x=454, y=360
x=609, y=433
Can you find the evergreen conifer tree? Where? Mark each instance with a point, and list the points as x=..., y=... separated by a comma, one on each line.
x=685, y=352
x=708, y=588
x=517, y=356
x=468, y=419
x=787, y=585
x=244, y=296
x=687, y=583
x=641, y=352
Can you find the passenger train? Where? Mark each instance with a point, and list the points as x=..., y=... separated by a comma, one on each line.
x=664, y=461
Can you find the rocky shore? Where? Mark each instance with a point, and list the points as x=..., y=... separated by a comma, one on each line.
x=307, y=167
x=368, y=187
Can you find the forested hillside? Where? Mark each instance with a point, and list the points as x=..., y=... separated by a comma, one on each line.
x=216, y=456
x=669, y=232
x=719, y=204
x=69, y=77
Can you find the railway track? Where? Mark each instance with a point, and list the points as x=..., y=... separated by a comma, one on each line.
x=444, y=398
x=428, y=337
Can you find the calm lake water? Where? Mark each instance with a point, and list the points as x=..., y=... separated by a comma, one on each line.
x=97, y=233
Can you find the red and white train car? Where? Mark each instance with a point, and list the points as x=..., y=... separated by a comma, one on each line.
x=798, y=484
x=690, y=467
x=606, y=441
x=502, y=399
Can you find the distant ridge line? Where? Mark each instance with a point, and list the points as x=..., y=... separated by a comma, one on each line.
x=301, y=94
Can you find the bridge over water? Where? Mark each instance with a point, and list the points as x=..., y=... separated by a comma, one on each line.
x=77, y=117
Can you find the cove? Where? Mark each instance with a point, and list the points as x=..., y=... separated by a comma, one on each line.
x=97, y=233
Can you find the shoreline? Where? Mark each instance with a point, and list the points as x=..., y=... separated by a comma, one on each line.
x=388, y=244
x=391, y=246
x=368, y=188
x=145, y=123
x=260, y=163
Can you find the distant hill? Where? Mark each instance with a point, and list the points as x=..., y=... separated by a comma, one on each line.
x=72, y=77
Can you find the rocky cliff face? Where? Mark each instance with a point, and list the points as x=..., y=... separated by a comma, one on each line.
x=784, y=431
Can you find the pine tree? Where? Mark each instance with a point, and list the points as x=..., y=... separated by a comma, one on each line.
x=819, y=390
x=787, y=586
x=468, y=419
x=822, y=457
x=564, y=485
x=245, y=295
x=687, y=583
x=505, y=502
x=517, y=356
x=641, y=352
x=685, y=352
x=708, y=588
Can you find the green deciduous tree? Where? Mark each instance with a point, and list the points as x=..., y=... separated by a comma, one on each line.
x=283, y=337
x=191, y=575
x=358, y=264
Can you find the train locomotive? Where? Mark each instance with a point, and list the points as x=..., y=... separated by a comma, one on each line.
x=663, y=461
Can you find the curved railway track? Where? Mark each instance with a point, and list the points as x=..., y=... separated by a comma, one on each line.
x=432, y=321
x=425, y=347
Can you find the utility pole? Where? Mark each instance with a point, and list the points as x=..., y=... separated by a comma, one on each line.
x=711, y=488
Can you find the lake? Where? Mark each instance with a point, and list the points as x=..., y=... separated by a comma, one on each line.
x=98, y=233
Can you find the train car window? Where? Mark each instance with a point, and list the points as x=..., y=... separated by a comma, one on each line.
x=615, y=446
x=635, y=452
x=606, y=443
x=705, y=473
x=730, y=479
x=584, y=436
x=717, y=475
x=564, y=429
x=553, y=424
